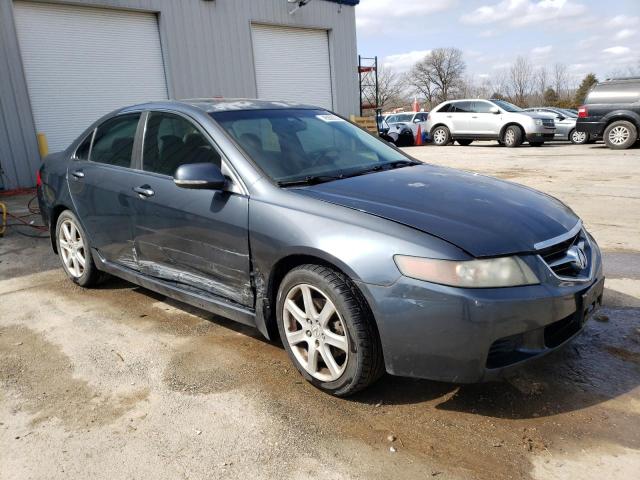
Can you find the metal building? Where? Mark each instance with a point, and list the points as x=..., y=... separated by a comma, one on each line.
x=64, y=64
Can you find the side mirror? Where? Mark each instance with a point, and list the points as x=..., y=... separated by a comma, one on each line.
x=561, y=118
x=494, y=110
x=416, y=120
x=200, y=176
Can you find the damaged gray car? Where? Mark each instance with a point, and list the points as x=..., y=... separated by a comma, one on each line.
x=292, y=220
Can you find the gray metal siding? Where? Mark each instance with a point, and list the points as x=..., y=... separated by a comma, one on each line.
x=207, y=50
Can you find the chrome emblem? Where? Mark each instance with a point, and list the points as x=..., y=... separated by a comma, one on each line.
x=578, y=257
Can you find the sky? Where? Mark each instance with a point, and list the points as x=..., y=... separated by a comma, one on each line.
x=599, y=36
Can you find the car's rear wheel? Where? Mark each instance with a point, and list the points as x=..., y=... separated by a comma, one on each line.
x=512, y=137
x=327, y=330
x=578, y=138
x=75, y=251
x=620, y=135
x=441, y=136
x=464, y=142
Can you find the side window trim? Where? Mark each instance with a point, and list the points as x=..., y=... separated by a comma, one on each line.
x=238, y=185
x=84, y=139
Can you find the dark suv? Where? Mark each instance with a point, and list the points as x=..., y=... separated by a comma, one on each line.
x=612, y=112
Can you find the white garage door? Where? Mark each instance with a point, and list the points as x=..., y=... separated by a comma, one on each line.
x=292, y=64
x=82, y=63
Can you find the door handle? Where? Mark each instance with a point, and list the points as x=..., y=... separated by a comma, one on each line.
x=77, y=174
x=448, y=116
x=474, y=116
x=144, y=191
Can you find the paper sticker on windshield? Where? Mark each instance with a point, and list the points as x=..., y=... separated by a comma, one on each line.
x=329, y=118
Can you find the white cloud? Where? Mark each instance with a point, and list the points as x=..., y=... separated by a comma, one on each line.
x=372, y=14
x=487, y=33
x=524, y=12
x=623, y=21
x=404, y=61
x=618, y=50
x=542, y=51
x=625, y=33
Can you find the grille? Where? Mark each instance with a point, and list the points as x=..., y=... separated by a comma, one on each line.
x=564, y=259
x=548, y=122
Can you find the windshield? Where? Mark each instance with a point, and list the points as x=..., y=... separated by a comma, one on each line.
x=406, y=117
x=296, y=144
x=569, y=113
x=509, y=107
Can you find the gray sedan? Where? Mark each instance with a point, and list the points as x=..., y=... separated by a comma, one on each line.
x=565, y=124
x=292, y=220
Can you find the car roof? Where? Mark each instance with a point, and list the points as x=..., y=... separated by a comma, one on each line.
x=211, y=105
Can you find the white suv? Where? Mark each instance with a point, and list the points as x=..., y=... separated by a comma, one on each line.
x=467, y=120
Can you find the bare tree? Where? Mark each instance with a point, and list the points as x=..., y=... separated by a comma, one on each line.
x=542, y=82
x=560, y=80
x=439, y=76
x=390, y=90
x=521, y=81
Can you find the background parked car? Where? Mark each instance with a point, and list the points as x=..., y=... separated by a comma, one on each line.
x=476, y=119
x=565, y=124
x=411, y=120
x=400, y=134
x=612, y=111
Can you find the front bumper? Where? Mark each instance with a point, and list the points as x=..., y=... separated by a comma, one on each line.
x=472, y=335
x=541, y=136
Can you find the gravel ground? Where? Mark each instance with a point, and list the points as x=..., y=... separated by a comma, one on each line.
x=119, y=382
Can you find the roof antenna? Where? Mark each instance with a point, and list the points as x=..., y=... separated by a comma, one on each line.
x=299, y=5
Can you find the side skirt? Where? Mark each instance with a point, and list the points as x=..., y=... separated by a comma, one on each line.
x=215, y=305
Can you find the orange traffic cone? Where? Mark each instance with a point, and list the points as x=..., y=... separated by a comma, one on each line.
x=419, y=136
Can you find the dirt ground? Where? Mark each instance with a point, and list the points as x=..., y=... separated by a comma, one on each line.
x=119, y=382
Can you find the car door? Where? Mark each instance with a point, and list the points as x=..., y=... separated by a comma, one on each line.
x=198, y=239
x=461, y=118
x=564, y=123
x=485, y=122
x=100, y=183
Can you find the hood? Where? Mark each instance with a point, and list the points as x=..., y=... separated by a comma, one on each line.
x=482, y=215
x=537, y=114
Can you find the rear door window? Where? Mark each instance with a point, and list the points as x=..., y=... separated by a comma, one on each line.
x=463, y=107
x=83, y=151
x=114, y=139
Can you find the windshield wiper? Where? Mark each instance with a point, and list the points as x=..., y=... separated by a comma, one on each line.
x=386, y=166
x=310, y=180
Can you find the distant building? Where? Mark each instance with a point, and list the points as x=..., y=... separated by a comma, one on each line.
x=65, y=64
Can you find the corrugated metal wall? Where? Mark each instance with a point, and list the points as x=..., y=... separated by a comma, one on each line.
x=207, y=50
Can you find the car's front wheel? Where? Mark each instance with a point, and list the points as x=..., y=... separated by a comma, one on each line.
x=620, y=135
x=578, y=138
x=441, y=136
x=513, y=137
x=75, y=251
x=327, y=330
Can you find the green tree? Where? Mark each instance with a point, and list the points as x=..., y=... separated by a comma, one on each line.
x=550, y=97
x=581, y=93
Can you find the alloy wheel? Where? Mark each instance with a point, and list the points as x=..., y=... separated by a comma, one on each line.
x=439, y=136
x=578, y=137
x=619, y=135
x=316, y=332
x=509, y=137
x=72, y=248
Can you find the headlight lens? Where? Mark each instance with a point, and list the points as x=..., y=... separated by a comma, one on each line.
x=539, y=122
x=486, y=273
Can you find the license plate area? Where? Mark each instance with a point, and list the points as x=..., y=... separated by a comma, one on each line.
x=589, y=301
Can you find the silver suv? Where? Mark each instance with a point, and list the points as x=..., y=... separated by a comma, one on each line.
x=467, y=120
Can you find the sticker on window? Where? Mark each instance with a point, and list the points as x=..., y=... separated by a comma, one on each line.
x=329, y=118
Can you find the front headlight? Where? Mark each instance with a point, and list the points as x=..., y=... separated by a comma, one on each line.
x=486, y=273
x=539, y=122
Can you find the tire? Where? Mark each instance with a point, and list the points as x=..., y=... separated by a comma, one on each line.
x=513, y=137
x=359, y=362
x=464, y=142
x=75, y=249
x=579, y=138
x=620, y=135
x=441, y=136
x=536, y=144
